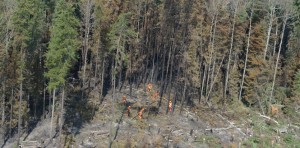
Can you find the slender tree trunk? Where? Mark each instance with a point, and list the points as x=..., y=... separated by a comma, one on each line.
x=11, y=113
x=49, y=106
x=120, y=78
x=25, y=119
x=153, y=65
x=44, y=102
x=20, y=112
x=52, y=114
x=214, y=79
x=203, y=82
x=278, y=56
x=168, y=65
x=212, y=56
x=20, y=99
x=162, y=77
x=102, y=79
x=61, y=123
x=247, y=51
x=269, y=31
x=275, y=41
x=170, y=82
x=130, y=73
x=212, y=28
x=183, y=97
x=230, y=52
x=113, y=103
x=3, y=103
x=7, y=41
x=87, y=18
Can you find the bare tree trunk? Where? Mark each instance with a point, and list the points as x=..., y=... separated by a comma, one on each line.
x=168, y=65
x=203, y=82
x=230, y=51
x=130, y=74
x=44, y=102
x=52, y=114
x=247, y=51
x=269, y=30
x=102, y=79
x=3, y=103
x=212, y=28
x=278, y=56
x=153, y=65
x=61, y=122
x=87, y=17
x=170, y=81
x=214, y=79
x=275, y=41
x=183, y=97
x=114, y=69
x=7, y=41
x=162, y=77
x=20, y=112
x=20, y=98
x=11, y=113
x=49, y=105
x=120, y=78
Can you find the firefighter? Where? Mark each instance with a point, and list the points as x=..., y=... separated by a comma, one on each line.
x=124, y=100
x=170, y=106
x=141, y=113
x=128, y=111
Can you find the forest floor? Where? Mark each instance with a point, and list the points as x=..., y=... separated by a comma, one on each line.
x=196, y=127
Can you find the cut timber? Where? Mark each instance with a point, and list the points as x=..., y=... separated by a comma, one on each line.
x=30, y=144
x=220, y=129
x=232, y=125
x=268, y=118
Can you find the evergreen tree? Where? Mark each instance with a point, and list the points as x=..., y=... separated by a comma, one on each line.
x=27, y=30
x=62, y=47
x=119, y=36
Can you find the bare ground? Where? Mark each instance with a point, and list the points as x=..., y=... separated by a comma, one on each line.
x=195, y=127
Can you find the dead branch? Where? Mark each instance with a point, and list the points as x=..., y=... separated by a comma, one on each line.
x=220, y=129
x=232, y=124
x=268, y=118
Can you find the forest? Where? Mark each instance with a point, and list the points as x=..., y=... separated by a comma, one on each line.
x=62, y=60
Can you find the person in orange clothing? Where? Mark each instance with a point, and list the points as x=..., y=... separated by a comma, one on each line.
x=149, y=87
x=170, y=106
x=155, y=95
x=141, y=113
x=128, y=111
x=124, y=100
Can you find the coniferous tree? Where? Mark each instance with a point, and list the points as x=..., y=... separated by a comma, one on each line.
x=121, y=34
x=62, y=49
x=27, y=31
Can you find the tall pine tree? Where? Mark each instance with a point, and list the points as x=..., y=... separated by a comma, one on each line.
x=62, y=48
x=27, y=30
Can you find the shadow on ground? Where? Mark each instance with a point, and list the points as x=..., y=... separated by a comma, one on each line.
x=77, y=111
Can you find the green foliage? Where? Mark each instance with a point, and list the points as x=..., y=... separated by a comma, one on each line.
x=120, y=34
x=63, y=44
x=297, y=83
x=297, y=18
x=27, y=25
x=27, y=21
x=290, y=141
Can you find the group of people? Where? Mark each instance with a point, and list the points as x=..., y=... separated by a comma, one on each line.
x=154, y=96
x=140, y=113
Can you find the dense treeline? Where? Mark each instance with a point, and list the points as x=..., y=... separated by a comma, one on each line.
x=214, y=52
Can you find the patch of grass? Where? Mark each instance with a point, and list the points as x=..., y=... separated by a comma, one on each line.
x=210, y=140
x=252, y=142
x=290, y=141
